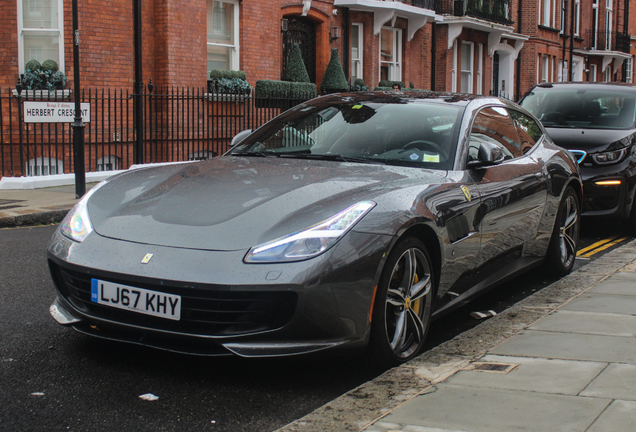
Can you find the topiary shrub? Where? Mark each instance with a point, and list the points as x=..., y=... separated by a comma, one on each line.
x=359, y=85
x=282, y=94
x=384, y=83
x=334, y=79
x=49, y=66
x=33, y=66
x=295, y=70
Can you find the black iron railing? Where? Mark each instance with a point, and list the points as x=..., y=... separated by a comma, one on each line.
x=498, y=11
x=606, y=41
x=180, y=124
x=424, y=4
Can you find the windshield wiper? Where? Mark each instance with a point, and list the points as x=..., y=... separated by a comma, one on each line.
x=256, y=153
x=333, y=157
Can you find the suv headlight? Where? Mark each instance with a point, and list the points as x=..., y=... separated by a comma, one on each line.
x=610, y=157
x=312, y=241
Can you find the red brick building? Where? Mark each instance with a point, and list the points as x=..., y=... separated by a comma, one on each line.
x=477, y=46
x=474, y=46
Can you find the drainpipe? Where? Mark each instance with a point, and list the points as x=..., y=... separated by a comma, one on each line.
x=519, y=30
x=433, y=56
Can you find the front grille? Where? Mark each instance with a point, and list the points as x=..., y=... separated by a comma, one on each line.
x=205, y=310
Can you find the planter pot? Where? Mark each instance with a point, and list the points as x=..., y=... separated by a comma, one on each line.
x=227, y=105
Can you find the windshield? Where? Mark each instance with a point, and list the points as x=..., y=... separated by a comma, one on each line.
x=393, y=132
x=576, y=106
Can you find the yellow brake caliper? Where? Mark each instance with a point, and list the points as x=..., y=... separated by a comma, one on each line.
x=417, y=303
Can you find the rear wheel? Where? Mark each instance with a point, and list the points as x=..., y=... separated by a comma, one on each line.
x=402, y=308
x=565, y=237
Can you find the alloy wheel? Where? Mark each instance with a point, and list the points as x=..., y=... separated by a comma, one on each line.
x=406, y=305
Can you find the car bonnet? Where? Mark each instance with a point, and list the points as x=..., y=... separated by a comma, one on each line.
x=590, y=140
x=233, y=203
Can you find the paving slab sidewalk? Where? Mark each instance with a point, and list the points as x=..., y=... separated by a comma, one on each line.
x=563, y=359
x=36, y=206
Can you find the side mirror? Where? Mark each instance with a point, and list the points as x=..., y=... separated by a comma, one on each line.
x=488, y=154
x=240, y=137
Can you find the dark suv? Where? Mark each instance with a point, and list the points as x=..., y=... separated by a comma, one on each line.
x=595, y=122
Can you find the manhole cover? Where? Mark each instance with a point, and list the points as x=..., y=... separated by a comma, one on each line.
x=502, y=368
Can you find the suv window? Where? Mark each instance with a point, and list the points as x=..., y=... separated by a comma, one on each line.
x=493, y=124
x=582, y=107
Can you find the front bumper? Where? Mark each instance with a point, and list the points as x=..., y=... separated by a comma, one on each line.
x=227, y=306
x=608, y=200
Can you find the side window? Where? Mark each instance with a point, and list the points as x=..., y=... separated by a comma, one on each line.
x=528, y=130
x=493, y=124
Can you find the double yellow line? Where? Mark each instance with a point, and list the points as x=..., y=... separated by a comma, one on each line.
x=599, y=246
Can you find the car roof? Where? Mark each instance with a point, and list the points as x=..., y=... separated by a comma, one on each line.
x=388, y=96
x=589, y=85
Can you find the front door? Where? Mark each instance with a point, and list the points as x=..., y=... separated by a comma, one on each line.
x=301, y=31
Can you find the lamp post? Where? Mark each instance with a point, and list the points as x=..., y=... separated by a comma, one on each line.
x=78, y=123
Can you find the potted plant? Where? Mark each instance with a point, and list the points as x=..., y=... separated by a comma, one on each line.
x=43, y=76
x=228, y=90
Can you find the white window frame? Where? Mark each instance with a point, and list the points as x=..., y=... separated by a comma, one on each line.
x=31, y=31
x=236, y=51
x=593, y=73
x=577, y=17
x=629, y=69
x=395, y=67
x=200, y=155
x=44, y=162
x=471, y=67
x=454, y=71
x=357, y=64
x=113, y=161
x=547, y=12
x=545, y=68
x=480, y=68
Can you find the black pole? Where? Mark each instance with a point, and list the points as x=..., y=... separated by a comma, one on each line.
x=570, y=66
x=78, y=124
x=347, y=43
x=564, y=11
x=433, y=55
x=138, y=87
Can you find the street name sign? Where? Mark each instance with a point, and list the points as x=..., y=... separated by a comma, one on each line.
x=54, y=112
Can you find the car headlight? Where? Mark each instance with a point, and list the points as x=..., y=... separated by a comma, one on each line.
x=312, y=241
x=77, y=225
x=610, y=157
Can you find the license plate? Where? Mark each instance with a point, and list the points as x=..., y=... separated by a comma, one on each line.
x=134, y=299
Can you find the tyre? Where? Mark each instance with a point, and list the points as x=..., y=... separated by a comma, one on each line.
x=402, y=307
x=565, y=236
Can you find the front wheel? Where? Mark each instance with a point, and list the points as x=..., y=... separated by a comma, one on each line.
x=565, y=237
x=403, y=305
